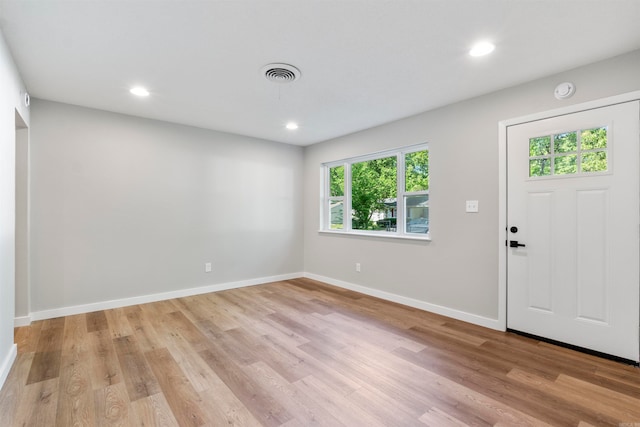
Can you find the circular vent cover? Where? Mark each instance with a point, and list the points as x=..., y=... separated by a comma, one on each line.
x=281, y=73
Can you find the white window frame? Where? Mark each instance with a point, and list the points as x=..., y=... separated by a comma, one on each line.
x=401, y=226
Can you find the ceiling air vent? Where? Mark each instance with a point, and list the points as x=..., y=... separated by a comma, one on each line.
x=281, y=73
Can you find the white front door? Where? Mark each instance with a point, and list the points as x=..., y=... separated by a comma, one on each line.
x=573, y=187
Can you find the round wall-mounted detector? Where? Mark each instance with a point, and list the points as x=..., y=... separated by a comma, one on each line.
x=27, y=99
x=564, y=90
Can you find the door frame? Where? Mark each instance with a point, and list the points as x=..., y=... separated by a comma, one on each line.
x=503, y=126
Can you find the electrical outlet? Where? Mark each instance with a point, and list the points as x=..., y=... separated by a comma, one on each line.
x=358, y=267
x=472, y=206
x=207, y=267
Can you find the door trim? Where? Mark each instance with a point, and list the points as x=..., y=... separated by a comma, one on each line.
x=503, y=125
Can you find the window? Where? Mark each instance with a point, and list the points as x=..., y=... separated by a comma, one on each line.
x=336, y=196
x=569, y=153
x=384, y=194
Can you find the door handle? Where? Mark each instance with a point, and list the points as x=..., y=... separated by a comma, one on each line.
x=515, y=244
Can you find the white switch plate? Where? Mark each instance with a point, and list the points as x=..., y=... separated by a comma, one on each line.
x=472, y=206
x=358, y=267
x=207, y=267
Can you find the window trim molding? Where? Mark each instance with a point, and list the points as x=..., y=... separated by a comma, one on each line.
x=401, y=193
x=374, y=234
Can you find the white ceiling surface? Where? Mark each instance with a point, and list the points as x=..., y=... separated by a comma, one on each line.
x=363, y=63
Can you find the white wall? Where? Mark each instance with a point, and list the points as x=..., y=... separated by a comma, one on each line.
x=123, y=207
x=11, y=92
x=457, y=272
x=22, y=224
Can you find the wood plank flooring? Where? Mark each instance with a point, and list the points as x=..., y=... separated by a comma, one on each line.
x=302, y=353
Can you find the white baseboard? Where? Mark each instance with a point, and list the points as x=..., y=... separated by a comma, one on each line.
x=124, y=302
x=411, y=302
x=21, y=321
x=7, y=363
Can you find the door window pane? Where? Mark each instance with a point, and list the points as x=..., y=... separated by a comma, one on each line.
x=540, y=146
x=566, y=165
x=594, y=138
x=540, y=167
x=565, y=142
x=594, y=162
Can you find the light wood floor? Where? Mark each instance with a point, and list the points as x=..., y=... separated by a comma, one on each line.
x=302, y=353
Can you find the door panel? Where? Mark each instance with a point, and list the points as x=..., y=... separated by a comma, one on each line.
x=573, y=193
x=540, y=297
x=591, y=256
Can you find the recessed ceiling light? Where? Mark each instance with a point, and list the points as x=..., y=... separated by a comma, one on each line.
x=292, y=126
x=139, y=91
x=481, y=49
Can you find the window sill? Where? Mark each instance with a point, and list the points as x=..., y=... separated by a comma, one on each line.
x=424, y=238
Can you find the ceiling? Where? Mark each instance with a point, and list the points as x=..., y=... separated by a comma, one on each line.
x=363, y=62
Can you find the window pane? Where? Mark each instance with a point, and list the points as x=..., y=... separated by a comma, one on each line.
x=336, y=181
x=594, y=138
x=594, y=162
x=417, y=171
x=387, y=224
x=565, y=165
x=540, y=146
x=417, y=209
x=373, y=192
x=540, y=167
x=336, y=209
x=565, y=142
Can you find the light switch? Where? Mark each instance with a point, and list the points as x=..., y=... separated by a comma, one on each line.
x=472, y=206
